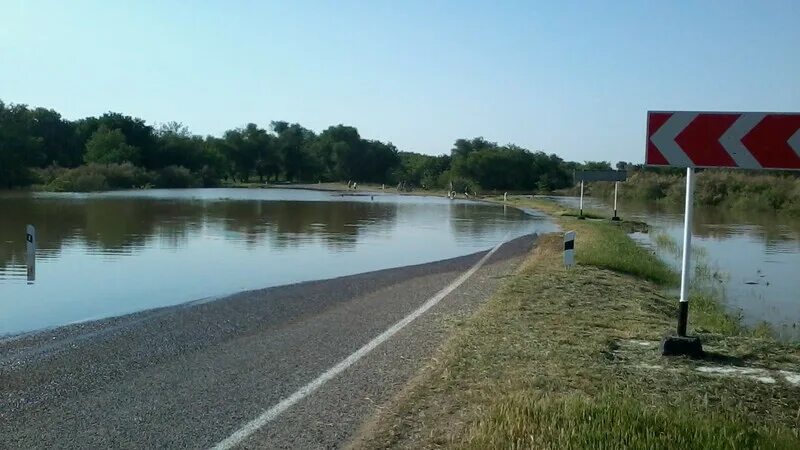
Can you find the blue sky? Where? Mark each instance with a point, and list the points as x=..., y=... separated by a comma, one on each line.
x=573, y=78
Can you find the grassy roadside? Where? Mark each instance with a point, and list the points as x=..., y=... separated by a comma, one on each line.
x=569, y=359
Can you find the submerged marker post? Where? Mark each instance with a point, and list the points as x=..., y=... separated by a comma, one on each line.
x=30, y=260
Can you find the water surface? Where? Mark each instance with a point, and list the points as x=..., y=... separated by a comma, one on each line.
x=108, y=254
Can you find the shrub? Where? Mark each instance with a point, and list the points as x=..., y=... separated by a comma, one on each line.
x=726, y=188
x=94, y=177
x=125, y=176
x=176, y=177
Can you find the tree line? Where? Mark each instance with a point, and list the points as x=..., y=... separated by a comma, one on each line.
x=40, y=147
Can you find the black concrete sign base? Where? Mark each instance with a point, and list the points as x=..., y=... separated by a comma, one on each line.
x=682, y=346
x=615, y=219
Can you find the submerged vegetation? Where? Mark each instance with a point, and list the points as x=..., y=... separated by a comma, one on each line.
x=568, y=358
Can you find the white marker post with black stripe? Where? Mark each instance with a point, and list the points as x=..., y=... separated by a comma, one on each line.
x=569, y=249
x=30, y=241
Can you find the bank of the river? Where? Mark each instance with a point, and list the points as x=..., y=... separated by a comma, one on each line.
x=569, y=359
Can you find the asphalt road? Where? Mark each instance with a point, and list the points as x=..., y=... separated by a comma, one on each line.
x=191, y=376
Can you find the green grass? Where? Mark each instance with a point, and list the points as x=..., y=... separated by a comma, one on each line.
x=665, y=243
x=586, y=214
x=604, y=245
x=576, y=422
x=552, y=360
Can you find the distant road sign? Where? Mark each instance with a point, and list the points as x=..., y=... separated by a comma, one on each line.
x=600, y=175
x=747, y=140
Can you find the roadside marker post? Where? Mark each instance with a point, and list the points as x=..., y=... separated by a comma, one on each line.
x=569, y=249
x=580, y=215
x=30, y=260
x=734, y=140
x=616, y=189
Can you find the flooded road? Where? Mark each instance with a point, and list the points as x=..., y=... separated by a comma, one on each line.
x=107, y=254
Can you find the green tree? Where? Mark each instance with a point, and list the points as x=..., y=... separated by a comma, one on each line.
x=108, y=146
x=136, y=132
x=178, y=147
x=60, y=144
x=19, y=148
x=294, y=144
x=595, y=165
x=463, y=147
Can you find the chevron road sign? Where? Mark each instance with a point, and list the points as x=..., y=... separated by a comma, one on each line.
x=690, y=139
x=746, y=140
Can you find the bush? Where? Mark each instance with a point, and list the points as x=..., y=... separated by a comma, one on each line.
x=209, y=176
x=75, y=180
x=93, y=177
x=126, y=176
x=176, y=177
x=725, y=188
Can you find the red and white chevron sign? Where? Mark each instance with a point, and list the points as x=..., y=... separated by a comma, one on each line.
x=747, y=140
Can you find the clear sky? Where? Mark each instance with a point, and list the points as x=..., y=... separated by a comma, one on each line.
x=573, y=78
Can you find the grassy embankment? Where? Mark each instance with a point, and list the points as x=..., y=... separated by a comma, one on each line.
x=563, y=358
x=727, y=189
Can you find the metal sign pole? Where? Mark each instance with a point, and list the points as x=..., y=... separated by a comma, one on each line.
x=683, y=311
x=616, y=188
x=581, y=214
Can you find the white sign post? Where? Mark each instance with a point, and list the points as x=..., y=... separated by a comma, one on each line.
x=569, y=249
x=600, y=175
x=683, y=310
x=30, y=240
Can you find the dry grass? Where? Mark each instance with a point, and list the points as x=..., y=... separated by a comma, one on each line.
x=563, y=358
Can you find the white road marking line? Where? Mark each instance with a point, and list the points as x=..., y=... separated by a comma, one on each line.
x=271, y=414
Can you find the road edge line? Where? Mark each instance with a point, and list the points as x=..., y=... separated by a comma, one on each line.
x=272, y=413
